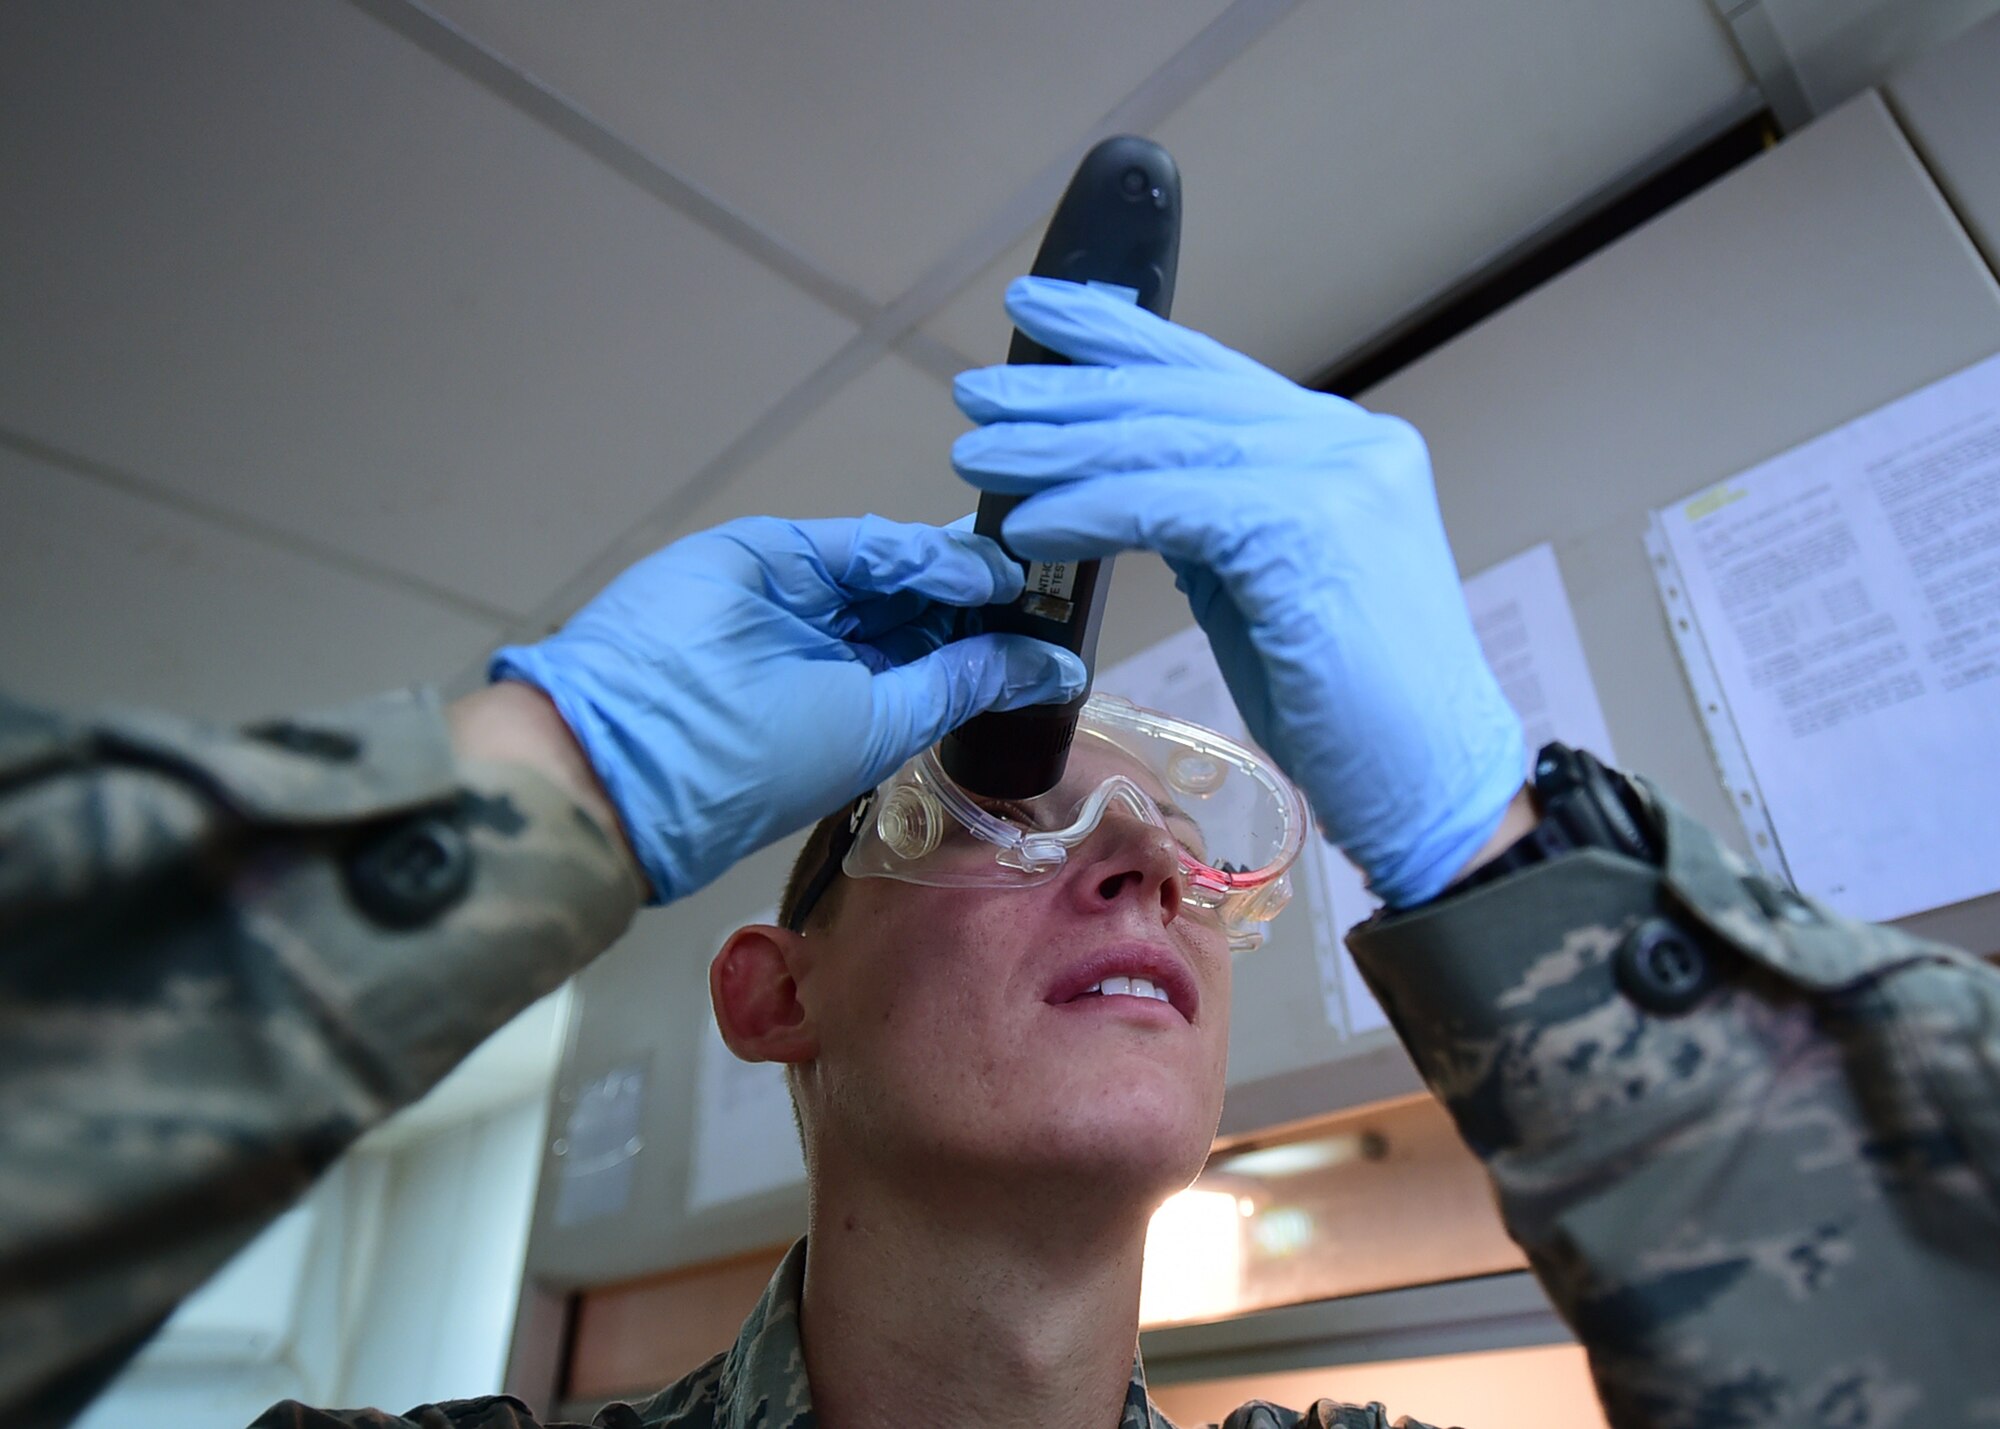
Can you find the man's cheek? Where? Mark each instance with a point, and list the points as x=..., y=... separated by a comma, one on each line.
x=923, y=994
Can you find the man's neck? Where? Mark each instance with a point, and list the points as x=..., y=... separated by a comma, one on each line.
x=985, y=1317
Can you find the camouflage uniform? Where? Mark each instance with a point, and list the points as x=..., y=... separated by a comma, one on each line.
x=196, y=1013
x=1752, y=1148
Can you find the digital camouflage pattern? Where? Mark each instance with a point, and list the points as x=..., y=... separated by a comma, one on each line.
x=1778, y=1205
x=195, y=1017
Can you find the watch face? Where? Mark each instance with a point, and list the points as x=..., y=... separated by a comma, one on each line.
x=1559, y=769
x=1582, y=805
x=1596, y=807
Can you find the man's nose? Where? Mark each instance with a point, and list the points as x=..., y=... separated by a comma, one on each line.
x=1127, y=859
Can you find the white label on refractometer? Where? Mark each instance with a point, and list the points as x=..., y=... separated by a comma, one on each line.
x=1056, y=578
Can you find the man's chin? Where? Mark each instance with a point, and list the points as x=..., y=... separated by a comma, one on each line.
x=1094, y=1138
x=1133, y=1156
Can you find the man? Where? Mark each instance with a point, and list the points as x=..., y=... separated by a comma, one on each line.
x=1750, y=1148
x=986, y=1136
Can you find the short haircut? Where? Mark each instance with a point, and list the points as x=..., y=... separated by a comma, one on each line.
x=812, y=858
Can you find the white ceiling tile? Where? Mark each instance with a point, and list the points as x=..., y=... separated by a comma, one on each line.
x=1949, y=104
x=113, y=598
x=882, y=444
x=975, y=321
x=1837, y=48
x=282, y=260
x=869, y=136
x=1360, y=157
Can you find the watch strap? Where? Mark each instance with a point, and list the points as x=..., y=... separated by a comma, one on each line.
x=1582, y=805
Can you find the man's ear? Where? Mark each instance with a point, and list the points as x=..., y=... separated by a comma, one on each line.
x=756, y=996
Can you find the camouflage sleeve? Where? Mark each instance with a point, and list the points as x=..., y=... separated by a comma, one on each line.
x=223, y=956
x=1752, y=1148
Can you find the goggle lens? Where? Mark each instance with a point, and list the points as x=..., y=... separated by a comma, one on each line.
x=1235, y=822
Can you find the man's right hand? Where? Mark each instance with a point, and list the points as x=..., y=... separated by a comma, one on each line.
x=1305, y=532
x=743, y=681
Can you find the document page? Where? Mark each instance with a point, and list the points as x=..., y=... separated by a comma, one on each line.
x=1848, y=596
x=1178, y=676
x=1528, y=633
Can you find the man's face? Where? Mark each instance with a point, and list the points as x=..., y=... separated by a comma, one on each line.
x=958, y=1031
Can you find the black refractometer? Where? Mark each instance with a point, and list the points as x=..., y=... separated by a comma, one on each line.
x=1118, y=227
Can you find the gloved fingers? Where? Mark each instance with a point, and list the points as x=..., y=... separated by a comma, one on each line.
x=1196, y=516
x=1091, y=326
x=909, y=641
x=917, y=704
x=1205, y=593
x=1019, y=457
x=870, y=616
x=870, y=556
x=897, y=648
x=1036, y=393
x=1236, y=654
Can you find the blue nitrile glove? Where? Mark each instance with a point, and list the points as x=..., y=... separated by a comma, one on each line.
x=742, y=682
x=1305, y=532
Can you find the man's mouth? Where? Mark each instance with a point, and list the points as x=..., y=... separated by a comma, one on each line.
x=1126, y=987
x=1140, y=972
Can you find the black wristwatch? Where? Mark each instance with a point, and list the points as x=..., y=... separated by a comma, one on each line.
x=1583, y=805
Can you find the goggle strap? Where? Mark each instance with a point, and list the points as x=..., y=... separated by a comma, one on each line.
x=844, y=835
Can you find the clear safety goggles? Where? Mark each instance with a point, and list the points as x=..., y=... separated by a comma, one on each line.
x=1235, y=822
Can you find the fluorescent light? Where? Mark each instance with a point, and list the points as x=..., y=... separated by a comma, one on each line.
x=1293, y=1158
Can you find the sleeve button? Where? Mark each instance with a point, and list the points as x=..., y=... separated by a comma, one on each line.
x=411, y=872
x=1662, y=969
